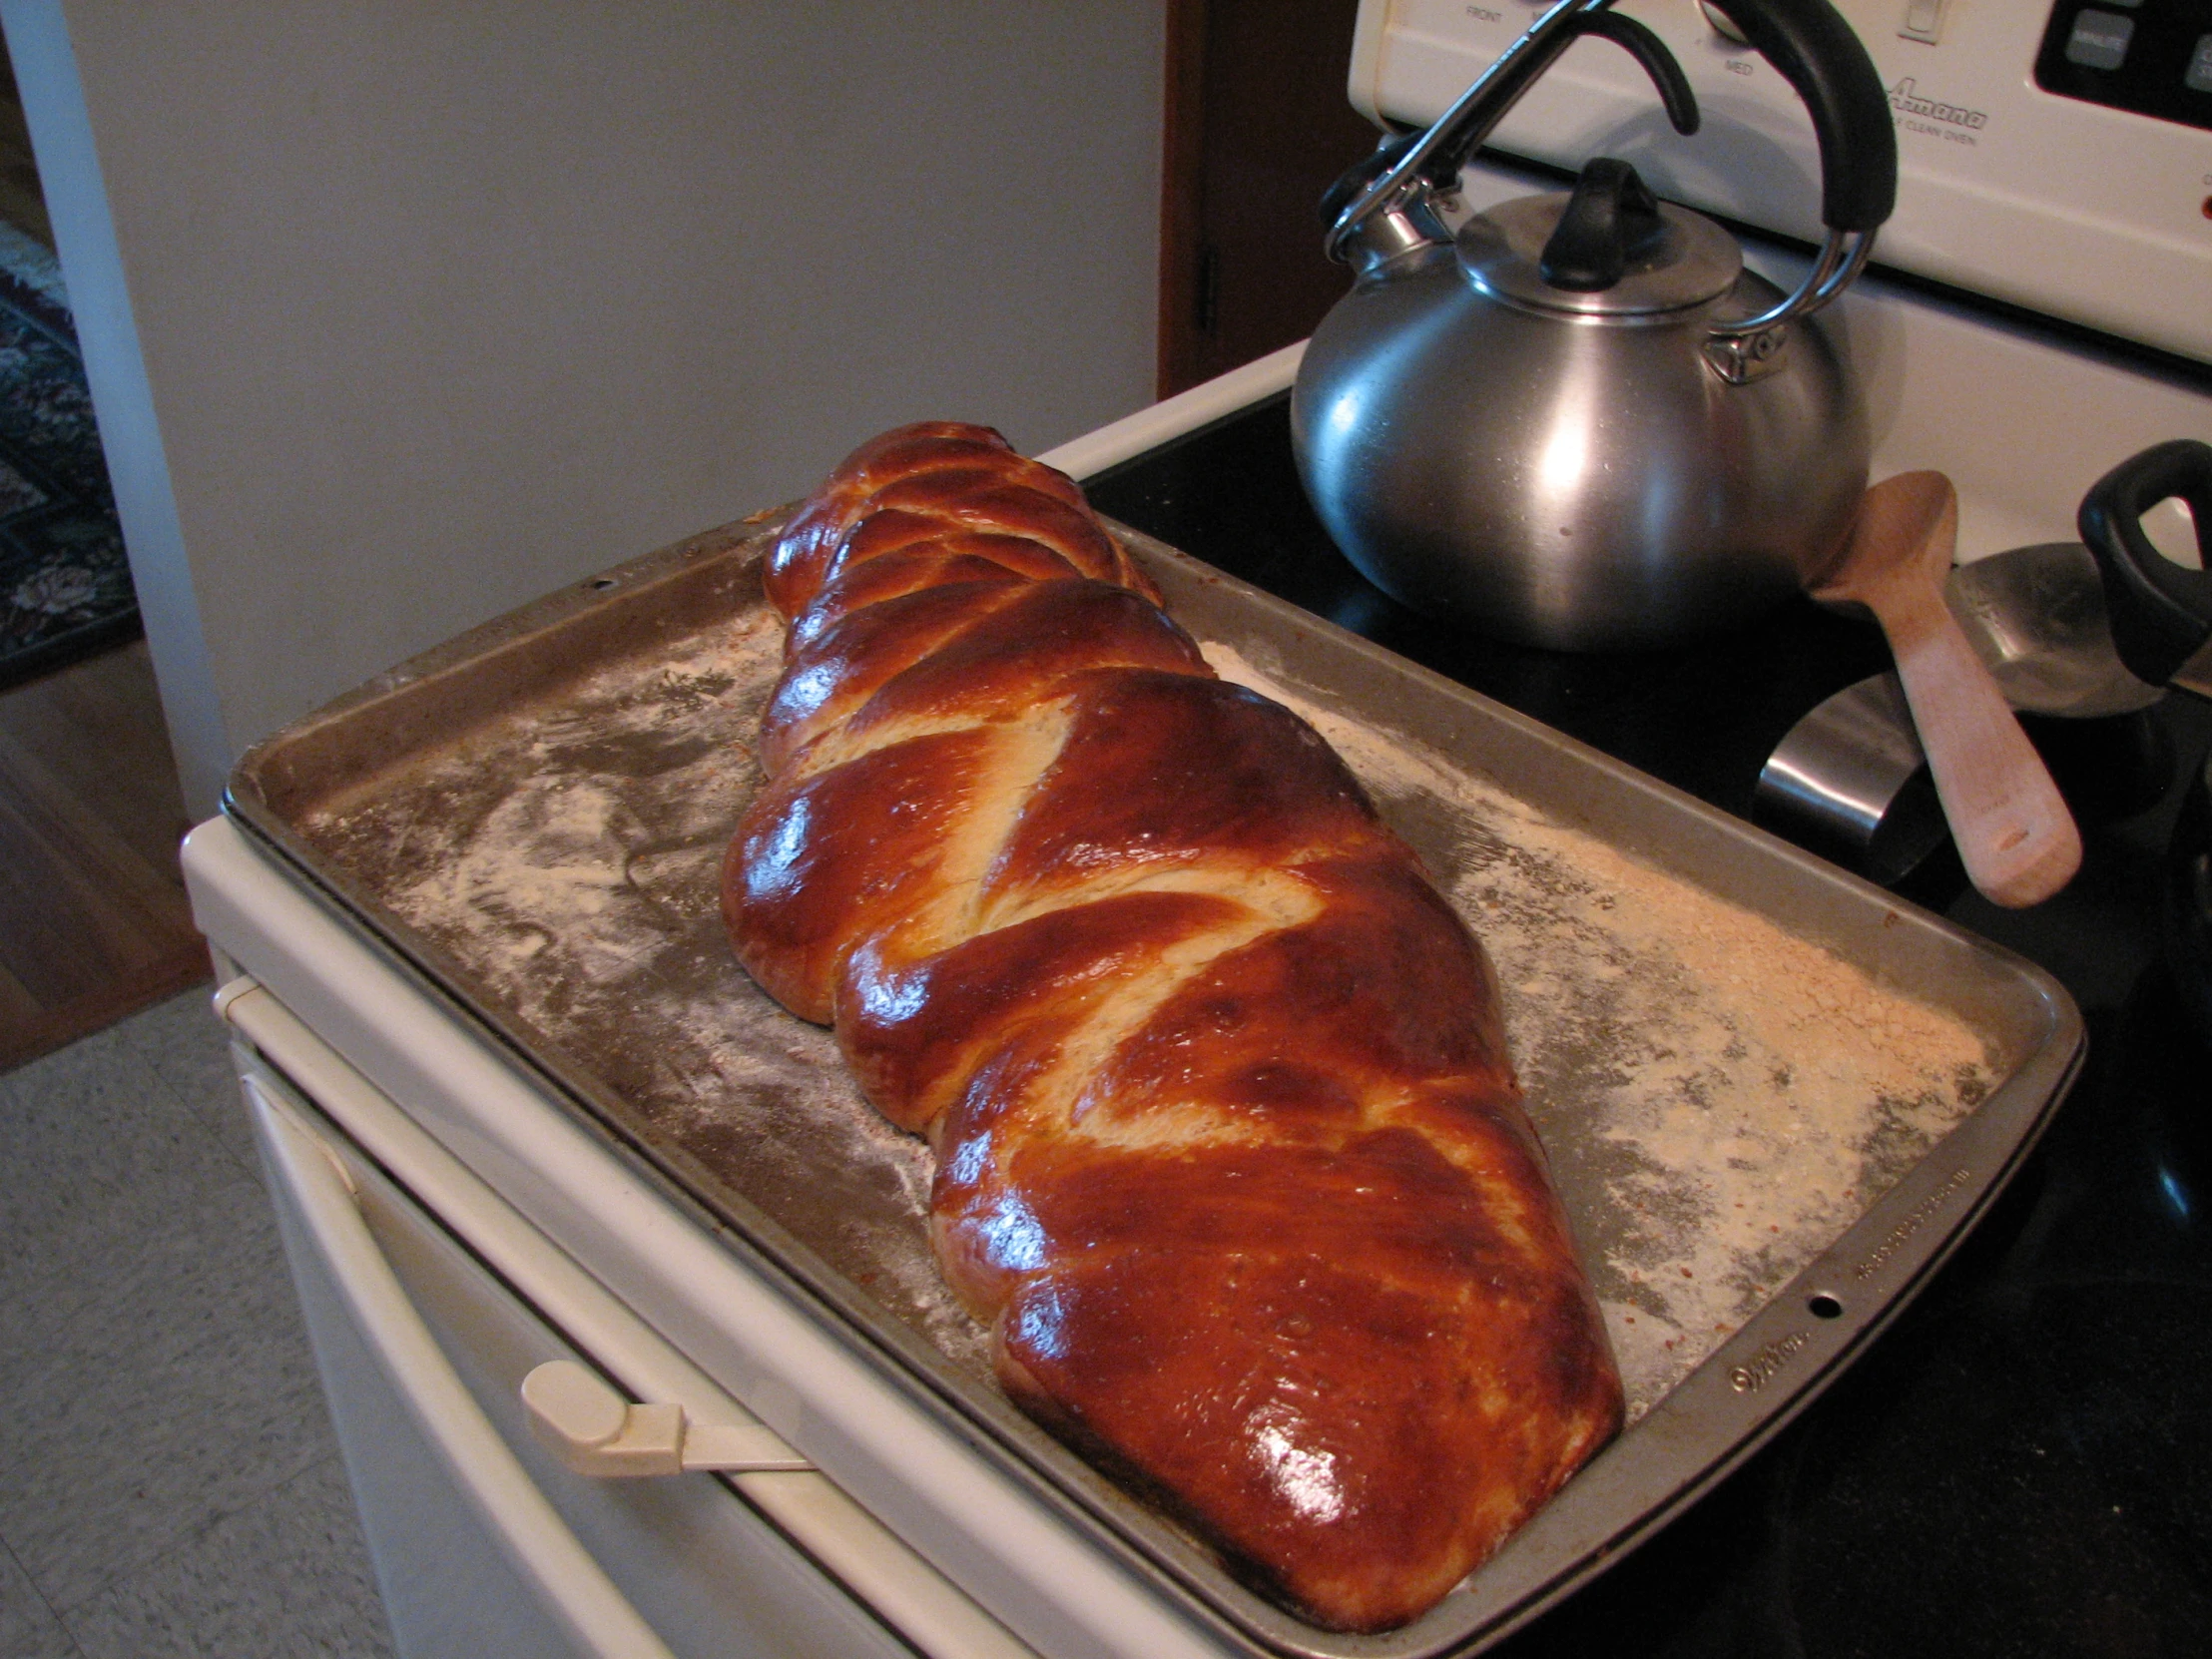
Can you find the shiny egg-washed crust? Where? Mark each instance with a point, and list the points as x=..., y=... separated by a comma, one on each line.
x=1230, y=1154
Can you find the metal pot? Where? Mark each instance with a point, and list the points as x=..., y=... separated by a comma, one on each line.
x=1581, y=423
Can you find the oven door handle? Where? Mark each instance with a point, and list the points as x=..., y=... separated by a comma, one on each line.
x=569, y=1583
x=593, y=1430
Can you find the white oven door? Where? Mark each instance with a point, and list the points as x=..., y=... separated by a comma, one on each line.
x=484, y=1543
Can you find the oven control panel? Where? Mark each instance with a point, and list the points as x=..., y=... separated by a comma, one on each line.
x=2042, y=159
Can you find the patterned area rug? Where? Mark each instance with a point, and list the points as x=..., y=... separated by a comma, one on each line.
x=64, y=588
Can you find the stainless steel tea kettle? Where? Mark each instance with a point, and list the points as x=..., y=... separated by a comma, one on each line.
x=1582, y=423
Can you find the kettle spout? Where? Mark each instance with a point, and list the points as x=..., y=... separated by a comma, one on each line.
x=1396, y=227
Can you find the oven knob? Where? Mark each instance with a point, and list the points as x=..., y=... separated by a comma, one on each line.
x=1723, y=24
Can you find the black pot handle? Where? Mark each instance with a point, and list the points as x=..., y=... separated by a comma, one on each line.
x=2161, y=611
x=1814, y=50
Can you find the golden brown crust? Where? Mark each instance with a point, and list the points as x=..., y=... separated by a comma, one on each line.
x=1229, y=1152
x=939, y=478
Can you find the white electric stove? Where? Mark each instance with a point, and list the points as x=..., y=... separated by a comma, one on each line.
x=453, y=1226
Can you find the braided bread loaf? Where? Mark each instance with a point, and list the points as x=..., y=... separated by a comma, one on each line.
x=1230, y=1154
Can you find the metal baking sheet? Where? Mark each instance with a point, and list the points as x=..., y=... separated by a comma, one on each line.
x=1772, y=1096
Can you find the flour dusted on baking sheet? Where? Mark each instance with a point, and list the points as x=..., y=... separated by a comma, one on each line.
x=1720, y=1099
x=567, y=856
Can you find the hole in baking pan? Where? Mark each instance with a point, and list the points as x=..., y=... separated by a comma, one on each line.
x=1825, y=1307
x=600, y=584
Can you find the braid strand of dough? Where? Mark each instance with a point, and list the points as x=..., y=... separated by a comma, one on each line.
x=1231, y=1158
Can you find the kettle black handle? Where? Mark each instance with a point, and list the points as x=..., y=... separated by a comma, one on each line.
x=1812, y=47
x=1651, y=52
x=1817, y=53
x=2161, y=611
x=1441, y=171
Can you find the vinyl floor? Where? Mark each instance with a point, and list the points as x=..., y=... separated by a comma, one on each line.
x=168, y=1481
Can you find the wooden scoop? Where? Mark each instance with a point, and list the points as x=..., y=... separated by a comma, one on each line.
x=2014, y=835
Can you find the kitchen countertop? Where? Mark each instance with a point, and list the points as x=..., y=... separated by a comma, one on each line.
x=2022, y=1463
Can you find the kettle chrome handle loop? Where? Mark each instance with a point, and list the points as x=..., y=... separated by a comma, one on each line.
x=1745, y=350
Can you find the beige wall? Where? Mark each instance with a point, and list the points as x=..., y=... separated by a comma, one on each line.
x=398, y=314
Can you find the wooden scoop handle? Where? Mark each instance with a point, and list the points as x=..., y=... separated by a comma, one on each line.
x=2014, y=835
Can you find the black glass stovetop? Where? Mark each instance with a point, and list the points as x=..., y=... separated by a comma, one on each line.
x=2022, y=1463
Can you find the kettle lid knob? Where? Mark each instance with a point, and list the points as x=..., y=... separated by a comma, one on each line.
x=1611, y=221
x=1607, y=248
